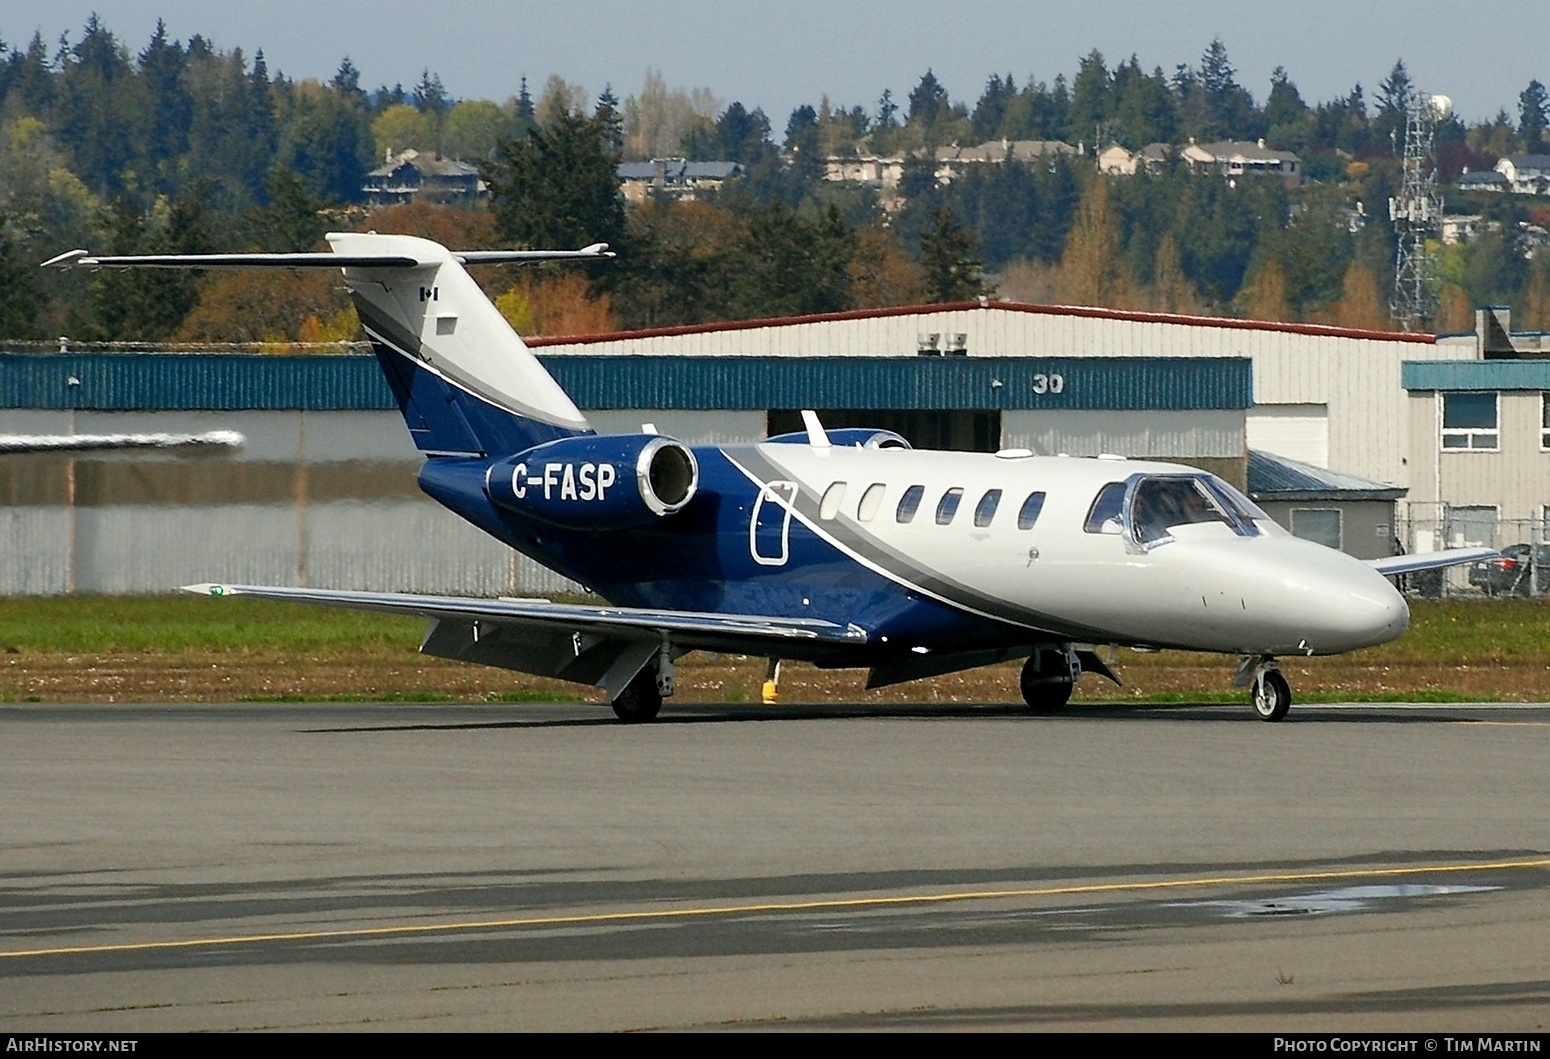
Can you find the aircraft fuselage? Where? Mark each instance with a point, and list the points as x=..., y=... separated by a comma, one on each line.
x=805, y=531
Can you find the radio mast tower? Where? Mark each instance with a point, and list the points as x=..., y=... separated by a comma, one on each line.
x=1417, y=213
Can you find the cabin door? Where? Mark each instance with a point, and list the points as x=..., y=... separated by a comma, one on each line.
x=769, y=527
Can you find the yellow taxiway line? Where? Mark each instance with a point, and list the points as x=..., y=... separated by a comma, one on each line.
x=819, y=904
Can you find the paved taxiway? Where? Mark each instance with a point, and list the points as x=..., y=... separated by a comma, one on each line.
x=539, y=867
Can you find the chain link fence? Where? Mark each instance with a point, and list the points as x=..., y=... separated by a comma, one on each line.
x=1522, y=571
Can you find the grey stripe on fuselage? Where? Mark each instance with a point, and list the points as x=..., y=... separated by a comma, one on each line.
x=867, y=549
x=398, y=339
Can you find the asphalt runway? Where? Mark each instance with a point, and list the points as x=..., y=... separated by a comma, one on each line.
x=538, y=867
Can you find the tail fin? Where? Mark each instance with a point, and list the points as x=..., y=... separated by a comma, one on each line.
x=464, y=380
x=466, y=384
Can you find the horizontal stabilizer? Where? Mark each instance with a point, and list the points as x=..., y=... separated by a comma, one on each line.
x=86, y=259
x=1409, y=564
x=690, y=629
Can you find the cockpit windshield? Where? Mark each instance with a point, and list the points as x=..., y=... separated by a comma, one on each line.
x=1159, y=504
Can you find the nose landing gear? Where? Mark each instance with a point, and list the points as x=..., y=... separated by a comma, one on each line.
x=1272, y=695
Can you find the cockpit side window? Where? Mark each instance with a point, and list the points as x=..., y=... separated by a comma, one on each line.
x=1107, y=509
x=1162, y=503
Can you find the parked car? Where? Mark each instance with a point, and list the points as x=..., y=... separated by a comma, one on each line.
x=1511, y=573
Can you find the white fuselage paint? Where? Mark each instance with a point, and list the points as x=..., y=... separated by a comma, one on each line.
x=1206, y=588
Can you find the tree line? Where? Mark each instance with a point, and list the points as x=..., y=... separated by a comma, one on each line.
x=182, y=146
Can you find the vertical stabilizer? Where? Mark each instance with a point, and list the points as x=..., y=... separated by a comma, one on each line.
x=464, y=380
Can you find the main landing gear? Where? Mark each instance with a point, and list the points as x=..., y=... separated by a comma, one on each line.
x=1048, y=677
x=1272, y=695
x=641, y=699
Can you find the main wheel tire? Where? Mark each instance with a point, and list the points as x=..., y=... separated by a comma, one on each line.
x=640, y=701
x=1272, y=696
x=1043, y=690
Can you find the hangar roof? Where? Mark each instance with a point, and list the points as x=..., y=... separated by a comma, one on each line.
x=1273, y=477
x=1503, y=374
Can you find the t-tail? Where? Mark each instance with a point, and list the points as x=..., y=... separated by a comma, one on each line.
x=500, y=430
x=465, y=382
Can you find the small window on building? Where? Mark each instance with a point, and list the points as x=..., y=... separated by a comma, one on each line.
x=1544, y=421
x=1321, y=525
x=1105, y=516
x=833, y=497
x=909, y=503
x=1469, y=421
x=947, y=507
x=986, y=509
x=871, y=500
x=1028, y=514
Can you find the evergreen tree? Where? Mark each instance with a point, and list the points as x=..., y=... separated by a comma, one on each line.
x=132, y=307
x=1388, y=124
x=1089, y=101
x=928, y=101
x=887, y=111
x=291, y=222
x=803, y=145
x=18, y=287
x=989, y=117
x=1144, y=110
x=1533, y=110
x=347, y=81
x=558, y=187
x=94, y=113
x=167, y=111
x=1288, y=122
x=1228, y=108
x=952, y=272
x=791, y=266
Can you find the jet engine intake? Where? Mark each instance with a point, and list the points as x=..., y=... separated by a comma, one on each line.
x=598, y=482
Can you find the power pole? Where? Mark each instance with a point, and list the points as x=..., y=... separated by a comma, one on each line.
x=1417, y=213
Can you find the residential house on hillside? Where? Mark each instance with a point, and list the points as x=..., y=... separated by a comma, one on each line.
x=1120, y=161
x=1234, y=158
x=865, y=169
x=1483, y=180
x=1526, y=174
x=675, y=178
x=425, y=176
x=952, y=161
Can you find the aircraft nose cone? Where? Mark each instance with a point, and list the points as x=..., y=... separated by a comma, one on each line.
x=1331, y=603
x=1378, y=613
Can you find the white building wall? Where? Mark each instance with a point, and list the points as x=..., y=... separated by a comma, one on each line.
x=1355, y=375
x=1156, y=435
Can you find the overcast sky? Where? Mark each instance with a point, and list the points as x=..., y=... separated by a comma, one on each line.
x=778, y=55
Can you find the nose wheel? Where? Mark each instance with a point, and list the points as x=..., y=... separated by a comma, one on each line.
x=1272, y=694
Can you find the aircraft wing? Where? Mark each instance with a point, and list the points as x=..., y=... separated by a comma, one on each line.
x=744, y=633
x=210, y=440
x=1409, y=564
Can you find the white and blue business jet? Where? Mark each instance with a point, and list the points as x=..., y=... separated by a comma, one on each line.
x=844, y=548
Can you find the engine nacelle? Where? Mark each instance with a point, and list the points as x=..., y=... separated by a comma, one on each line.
x=598, y=482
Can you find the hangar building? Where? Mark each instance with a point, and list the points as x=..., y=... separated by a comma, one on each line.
x=323, y=491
